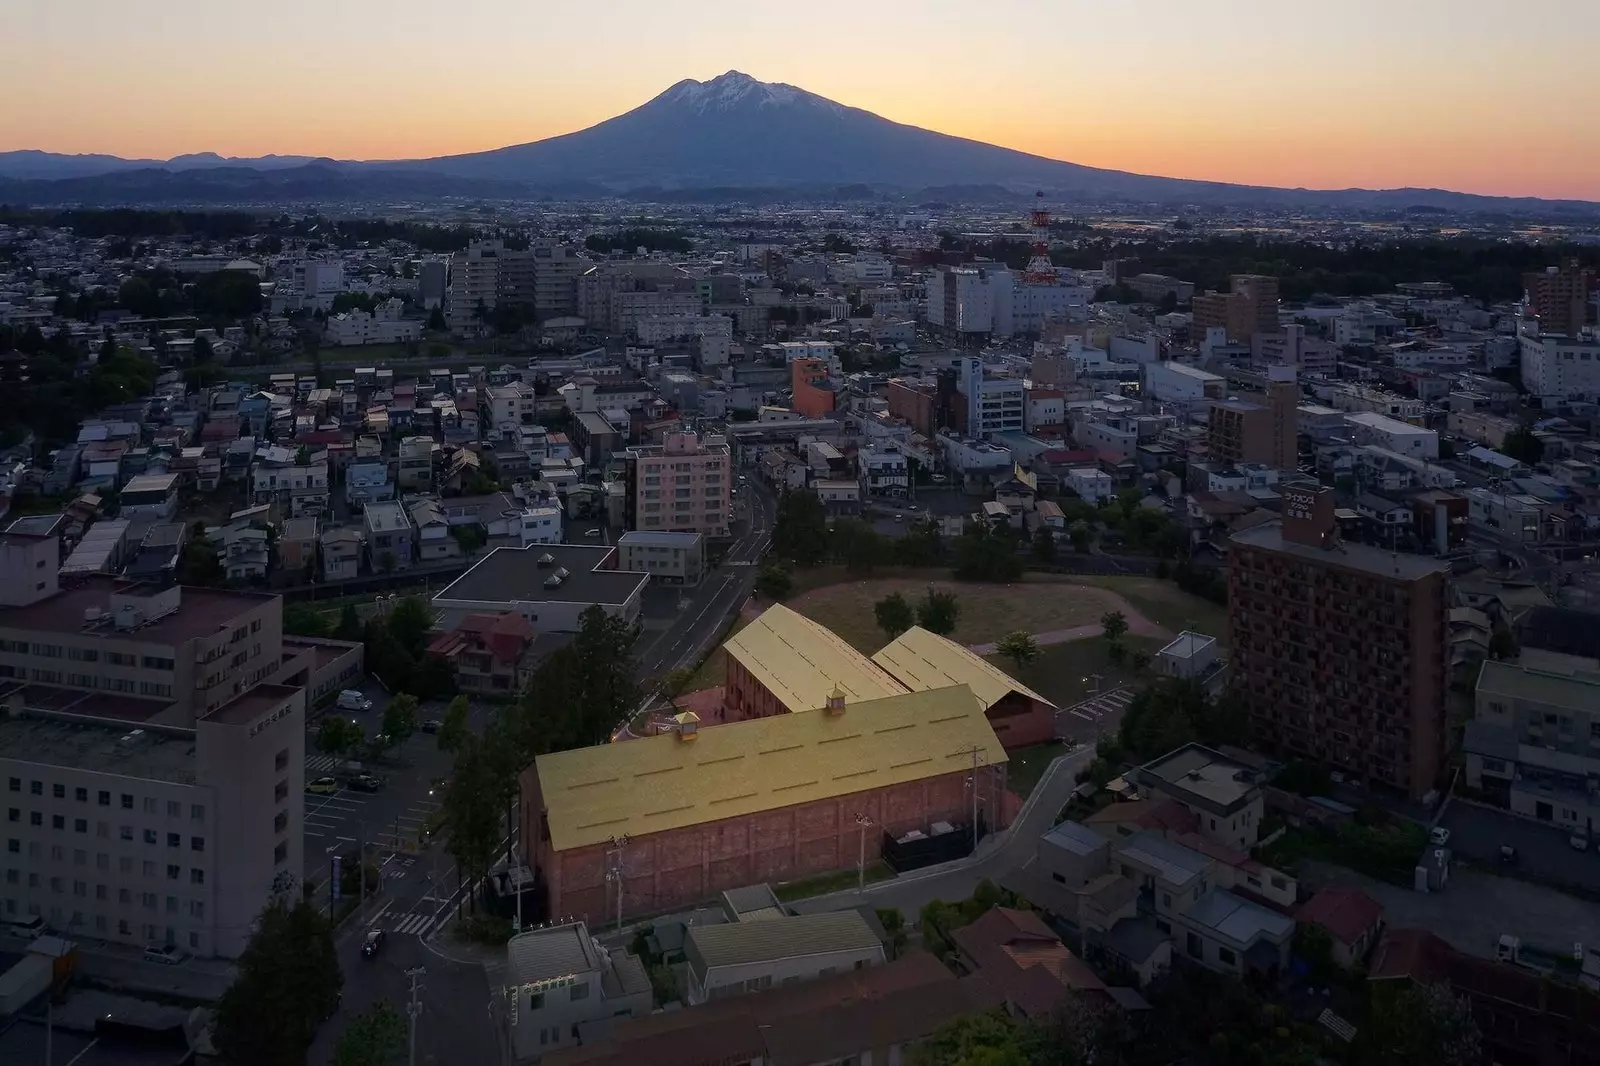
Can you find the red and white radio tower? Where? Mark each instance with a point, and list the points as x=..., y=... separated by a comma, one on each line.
x=1040, y=271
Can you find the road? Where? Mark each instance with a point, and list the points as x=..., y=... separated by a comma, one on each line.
x=704, y=612
x=1001, y=857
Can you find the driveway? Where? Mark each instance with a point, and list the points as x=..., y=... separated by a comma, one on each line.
x=1475, y=909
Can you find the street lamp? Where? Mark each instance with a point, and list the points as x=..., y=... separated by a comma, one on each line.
x=862, y=822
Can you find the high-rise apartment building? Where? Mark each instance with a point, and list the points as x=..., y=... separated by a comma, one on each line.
x=474, y=281
x=433, y=283
x=543, y=280
x=684, y=485
x=1558, y=298
x=1340, y=651
x=1260, y=292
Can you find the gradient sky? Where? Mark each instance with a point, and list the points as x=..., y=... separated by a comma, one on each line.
x=1493, y=96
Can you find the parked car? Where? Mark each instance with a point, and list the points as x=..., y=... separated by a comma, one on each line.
x=28, y=928
x=166, y=956
x=351, y=700
x=373, y=943
x=1579, y=839
x=1508, y=854
x=1439, y=836
x=432, y=725
x=366, y=782
x=323, y=786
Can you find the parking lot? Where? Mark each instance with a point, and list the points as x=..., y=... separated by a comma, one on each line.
x=1095, y=717
x=1543, y=852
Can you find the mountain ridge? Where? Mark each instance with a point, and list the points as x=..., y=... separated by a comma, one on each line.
x=732, y=131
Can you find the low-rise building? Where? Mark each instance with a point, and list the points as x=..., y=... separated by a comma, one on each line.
x=491, y=653
x=560, y=982
x=390, y=540
x=672, y=558
x=740, y=957
x=150, y=496
x=550, y=585
x=341, y=554
x=1224, y=794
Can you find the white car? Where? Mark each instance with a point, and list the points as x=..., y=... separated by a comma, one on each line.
x=351, y=700
x=167, y=956
x=1439, y=836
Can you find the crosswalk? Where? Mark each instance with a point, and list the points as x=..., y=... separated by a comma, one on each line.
x=414, y=923
x=316, y=764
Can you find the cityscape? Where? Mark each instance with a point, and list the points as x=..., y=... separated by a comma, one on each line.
x=753, y=581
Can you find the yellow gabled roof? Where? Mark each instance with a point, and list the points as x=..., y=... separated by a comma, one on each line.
x=800, y=661
x=653, y=784
x=922, y=660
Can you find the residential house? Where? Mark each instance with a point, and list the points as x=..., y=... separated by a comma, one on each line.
x=435, y=541
x=490, y=652
x=414, y=465
x=367, y=482
x=341, y=554
x=1352, y=919
x=246, y=552
x=739, y=957
x=560, y=981
x=297, y=546
x=1224, y=794
x=1026, y=962
x=390, y=541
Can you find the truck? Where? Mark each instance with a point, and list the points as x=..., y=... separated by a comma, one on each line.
x=1539, y=959
x=24, y=982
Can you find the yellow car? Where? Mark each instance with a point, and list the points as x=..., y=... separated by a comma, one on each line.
x=323, y=785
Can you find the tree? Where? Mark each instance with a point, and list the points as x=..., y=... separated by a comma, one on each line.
x=987, y=1039
x=400, y=717
x=774, y=583
x=1044, y=544
x=303, y=620
x=436, y=322
x=1502, y=644
x=1172, y=712
x=337, y=735
x=800, y=533
x=1523, y=446
x=350, y=627
x=894, y=614
x=471, y=807
x=676, y=682
x=1019, y=647
x=1423, y=1023
x=455, y=727
x=1078, y=532
x=288, y=984
x=409, y=622
x=1115, y=625
x=374, y=1037
x=938, y=611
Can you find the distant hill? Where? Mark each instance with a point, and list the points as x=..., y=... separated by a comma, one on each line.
x=730, y=138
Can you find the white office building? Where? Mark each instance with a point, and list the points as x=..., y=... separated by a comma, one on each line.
x=143, y=834
x=971, y=300
x=1560, y=368
x=1393, y=435
x=384, y=326
x=1181, y=383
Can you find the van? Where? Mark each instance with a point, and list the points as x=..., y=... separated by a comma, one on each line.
x=28, y=928
x=351, y=700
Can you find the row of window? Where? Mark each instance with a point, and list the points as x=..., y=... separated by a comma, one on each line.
x=197, y=811
x=102, y=860
x=148, y=900
x=151, y=933
x=86, y=655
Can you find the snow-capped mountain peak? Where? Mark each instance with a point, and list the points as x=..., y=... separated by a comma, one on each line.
x=737, y=89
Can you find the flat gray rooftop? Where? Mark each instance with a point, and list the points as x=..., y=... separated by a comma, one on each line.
x=508, y=575
x=166, y=755
x=1401, y=566
x=1204, y=774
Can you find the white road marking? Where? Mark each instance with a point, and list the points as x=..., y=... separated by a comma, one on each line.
x=376, y=918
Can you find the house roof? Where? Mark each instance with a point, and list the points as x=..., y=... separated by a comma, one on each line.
x=1174, y=862
x=825, y=1020
x=921, y=660
x=1410, y=953
x=1238, y=919
x=552, y=952
x=801, y=662
x=742, y=943
x=653, y=784
x=1024, y=959
x=1346, y=913
x=1164, y=814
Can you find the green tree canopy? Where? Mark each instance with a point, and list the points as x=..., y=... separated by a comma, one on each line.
x=400, y=717
x=288, y=984
x=774, y=583
x=455, y=726
x=375, y=1037
x=894, y=614
x=1019, y=647
x=800, y=534
x=938, y=611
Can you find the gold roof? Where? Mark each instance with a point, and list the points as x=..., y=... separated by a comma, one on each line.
x=653, y=784
x=801, y=661
x=922, y=660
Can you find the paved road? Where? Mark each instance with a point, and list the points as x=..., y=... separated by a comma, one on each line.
x=999, y=856
x=1543, y=851
x=703, y=612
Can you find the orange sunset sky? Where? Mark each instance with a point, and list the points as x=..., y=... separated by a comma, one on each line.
x=1476, y=95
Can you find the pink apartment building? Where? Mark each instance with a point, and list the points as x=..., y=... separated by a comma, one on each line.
x=684, y=485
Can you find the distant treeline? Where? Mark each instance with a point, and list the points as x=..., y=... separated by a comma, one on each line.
x=626, y=240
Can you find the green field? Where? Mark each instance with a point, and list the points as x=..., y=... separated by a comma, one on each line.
x=1064, y=673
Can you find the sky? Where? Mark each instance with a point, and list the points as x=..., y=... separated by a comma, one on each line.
x=1490, y=96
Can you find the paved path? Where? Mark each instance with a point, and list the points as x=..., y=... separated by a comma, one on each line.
x=1138, y=626
x=1000, y=854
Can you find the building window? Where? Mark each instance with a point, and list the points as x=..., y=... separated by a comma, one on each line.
x=280, y=791
x=196, y=844
x=280, y=822
x=36, y=788
x=150, y=836
x=58, y=821
x=81, y=795
x=1226, y=957
x=580, y=991
x=197, y=877
x=125, y=832
x=59, y=791
x=197, y=812
x=15, y=784
x=127, y=801
x=174, y=809
x=174, y=872
x=103, y=798
x=80, y=825
x=174, y=840
x=280, y=854
x=35, y=817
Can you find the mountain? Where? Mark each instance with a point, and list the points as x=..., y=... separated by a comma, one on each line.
x=730, y=138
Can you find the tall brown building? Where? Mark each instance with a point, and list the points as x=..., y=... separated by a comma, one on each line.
x=1227, y=310
x=1340, y=651
x=1559, y=298
x=1261, y=294
x=1240, y=432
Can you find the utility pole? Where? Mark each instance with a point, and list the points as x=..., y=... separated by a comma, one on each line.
x=862, y=821
x=413, y=1008
x=614, y=871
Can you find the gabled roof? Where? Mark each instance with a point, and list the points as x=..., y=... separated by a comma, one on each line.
x=922, y=660
x=1346, y=913
x=790, y=937
x=653, y=784
x=1024, y=959
x=801, y=662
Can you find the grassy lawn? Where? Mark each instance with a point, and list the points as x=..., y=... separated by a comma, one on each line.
x=1062, y=672
x=823, y=884
x=712, y=669
x=1386, y=852
x=988, y=612
x=1165, y=604
x=1027, y=766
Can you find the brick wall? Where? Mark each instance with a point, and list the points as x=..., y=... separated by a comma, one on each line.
x=681, y=867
